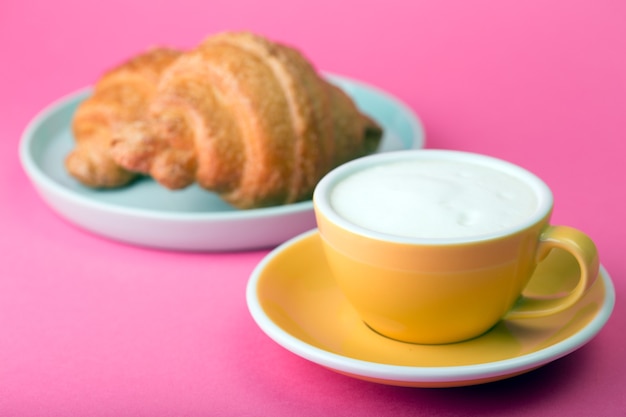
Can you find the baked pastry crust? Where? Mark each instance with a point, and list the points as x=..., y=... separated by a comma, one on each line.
x=120, y=96
x=245, y=117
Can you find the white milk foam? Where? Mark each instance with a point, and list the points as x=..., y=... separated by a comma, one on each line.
x=433, y=199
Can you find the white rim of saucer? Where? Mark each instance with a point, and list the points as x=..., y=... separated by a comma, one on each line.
x=321, y=199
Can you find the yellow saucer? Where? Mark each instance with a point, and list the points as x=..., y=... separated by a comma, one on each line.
x=293, y=298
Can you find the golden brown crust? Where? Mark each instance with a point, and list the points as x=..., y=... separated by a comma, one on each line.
x=120, y=96
x=247, y=118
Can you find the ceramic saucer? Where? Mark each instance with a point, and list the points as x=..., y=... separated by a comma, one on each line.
x=147, y=214
x=293, y=298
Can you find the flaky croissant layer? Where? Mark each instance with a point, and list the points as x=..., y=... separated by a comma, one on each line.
x=120, y=96
x=244, y=117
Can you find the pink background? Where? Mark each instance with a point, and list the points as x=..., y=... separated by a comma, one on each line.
x=91, y=327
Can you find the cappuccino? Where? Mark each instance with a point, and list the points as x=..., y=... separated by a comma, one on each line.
x=434, y=198
x=435, y=246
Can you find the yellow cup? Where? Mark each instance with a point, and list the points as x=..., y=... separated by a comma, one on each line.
x=441, y=289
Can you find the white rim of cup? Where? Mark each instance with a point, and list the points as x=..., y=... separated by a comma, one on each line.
x=322, y=191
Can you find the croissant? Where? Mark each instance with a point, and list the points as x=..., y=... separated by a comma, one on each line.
x=247, y=118
x=120, y=96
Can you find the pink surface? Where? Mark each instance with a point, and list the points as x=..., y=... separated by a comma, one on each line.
x=93, y=327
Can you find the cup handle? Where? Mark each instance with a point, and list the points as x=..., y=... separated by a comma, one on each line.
x=584, y=251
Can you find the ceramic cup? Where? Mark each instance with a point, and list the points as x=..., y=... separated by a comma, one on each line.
x=434, y=246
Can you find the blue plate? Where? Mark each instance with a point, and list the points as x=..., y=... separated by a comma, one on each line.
x=192, y=219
